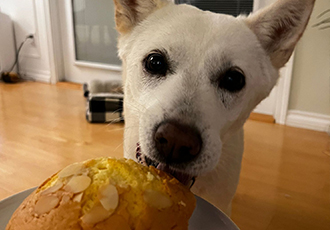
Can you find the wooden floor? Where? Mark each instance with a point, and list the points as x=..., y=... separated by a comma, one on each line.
x=285, y=179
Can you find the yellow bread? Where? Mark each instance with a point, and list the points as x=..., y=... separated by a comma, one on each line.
x=106, y=194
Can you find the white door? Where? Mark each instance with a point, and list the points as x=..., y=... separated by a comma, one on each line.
x=88, y=39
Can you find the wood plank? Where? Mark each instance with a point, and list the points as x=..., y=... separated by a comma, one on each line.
x=262, y=117
x=69, y=85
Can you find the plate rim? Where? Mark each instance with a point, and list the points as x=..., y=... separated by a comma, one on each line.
x=6, y=199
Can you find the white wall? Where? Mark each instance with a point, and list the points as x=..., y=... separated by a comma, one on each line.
x=311, y=73
x=309, y=105
x=7, y=44
x=29, y=18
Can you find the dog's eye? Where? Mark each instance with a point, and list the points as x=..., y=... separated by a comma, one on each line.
x=156, y=63
x=233, y=80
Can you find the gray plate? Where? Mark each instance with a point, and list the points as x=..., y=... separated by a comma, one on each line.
x=205, y=216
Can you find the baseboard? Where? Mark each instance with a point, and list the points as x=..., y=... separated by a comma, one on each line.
x=37, y=75
x=306, y=120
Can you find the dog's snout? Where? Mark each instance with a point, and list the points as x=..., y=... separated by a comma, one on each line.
x=177, y=143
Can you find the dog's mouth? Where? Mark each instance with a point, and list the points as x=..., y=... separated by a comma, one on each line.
x=184, y=178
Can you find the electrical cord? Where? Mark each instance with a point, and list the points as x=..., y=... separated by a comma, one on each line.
x=12, y=77
x=19, y=50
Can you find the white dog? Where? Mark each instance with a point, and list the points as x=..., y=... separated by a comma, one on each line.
x=191, y=79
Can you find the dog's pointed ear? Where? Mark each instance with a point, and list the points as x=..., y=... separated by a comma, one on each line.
x=280, y=26
x=129, y=13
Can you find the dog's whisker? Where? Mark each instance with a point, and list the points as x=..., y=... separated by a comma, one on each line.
x=138, y=111
x=116, y=111
x=134, y=135
x=120, y=129
x=327, y=20
x=323, y=13
x=121, y=144
x=115, y=130
x=114, y=121
x=324, y=27
x=129, y=151
x=134, y=104
x=159, y=104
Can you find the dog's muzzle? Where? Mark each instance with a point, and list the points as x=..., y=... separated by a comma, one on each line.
x=184, y=178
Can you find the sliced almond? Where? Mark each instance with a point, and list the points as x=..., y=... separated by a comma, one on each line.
x=85, y=172
x=182, y=203
x=150, y=177
x=78, y=184
x=71, y=170
x=77, y=198
x=46, y=204
x=157, y=199
x=109, y=197
x=52, y=189
x=96, y=215
x=65, y=199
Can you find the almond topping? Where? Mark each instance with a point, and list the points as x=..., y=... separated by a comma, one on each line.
x=150, y=177
x=96, y=215
x=157, y=199
x=78, y=184
x=71, y=170
x=109, y=197
x=77, y=198
x=65, y=199
x=52, y=189
x=182, y=203
x=46, y=204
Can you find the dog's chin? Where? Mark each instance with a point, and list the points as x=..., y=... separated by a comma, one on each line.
x=186, y=179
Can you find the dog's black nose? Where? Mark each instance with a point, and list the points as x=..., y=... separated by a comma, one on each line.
x=177, y=143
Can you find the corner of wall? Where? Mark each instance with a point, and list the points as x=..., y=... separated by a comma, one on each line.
x=29, y=18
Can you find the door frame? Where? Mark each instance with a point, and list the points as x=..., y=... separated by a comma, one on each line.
x=52, y=15
x=283, y=85
x=54, y=39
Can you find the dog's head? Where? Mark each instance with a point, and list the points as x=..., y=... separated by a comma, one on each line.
x=193, y=77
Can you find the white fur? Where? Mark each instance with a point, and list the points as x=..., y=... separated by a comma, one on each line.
x=199, y=43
